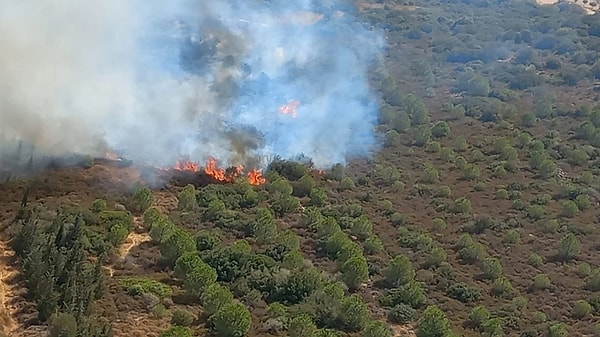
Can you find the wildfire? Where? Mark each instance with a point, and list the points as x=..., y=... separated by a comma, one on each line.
x=225, y=175
x=290, y=108
x=256, y=178
x=186, y=165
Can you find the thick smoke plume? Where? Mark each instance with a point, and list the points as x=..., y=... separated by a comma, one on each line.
x=158, y=80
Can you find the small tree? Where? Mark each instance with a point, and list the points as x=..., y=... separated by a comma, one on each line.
x=355, y=271
x=199, y=278
x=581, y=309
x=142, y=199
x=176, y=331
x=399, y=272
x=354, y=313
x=479, y=315
x=558, y=329
x=187, y=198
x=182, y=318
x=264, y=227
x=462, y=205
x=569, y=247
x=492, y=268
x=302, y=326
x=440, y=129
x=176, y=244
x=232, y=320
x=215, y=297
x=376, y=329
x=63, y=325
x=433, y=323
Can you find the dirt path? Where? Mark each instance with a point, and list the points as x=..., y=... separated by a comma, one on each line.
x=402, y=331
x=133, y=239
x=8, y=325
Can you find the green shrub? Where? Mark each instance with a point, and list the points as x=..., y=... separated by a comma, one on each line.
x=492, y=269
x=354, y=313
x=479, y=315
x=401, y=314
x=581, y=309
x=492, y=328
x=592, y=282
x=461, y=205
x=215, y=297
x=139, y=285
x=433, y=323
x=376, y=329
x=141, y=199
x=99, y=205
x=501, y=287
x=479, y=187
x=187, y=198
x=318, y=197
x=182, y=318
x=386, y=207
x=436, y=257
x=231, y=320
x=502, y=194
x=176, y=331
x=398, y=219
x=399, y=271
x=373, y=245
x=538, y=317
x=472, y=253
x=443, y=192
x=569, y=209
x=355, y=271
x=159, y=311
x=541, y=282
x=440, y=129
x=535, y=260
x=63, y=325
x=303, y=186
x=535, y=212
x=582, y=201
x=439, y=224
x=346, y=184
x=557, y=330
x=301, y=326
x=411, y=293
x=207, y=240
x=569, y=247
x=512, y=237
x=584, y=269
x=464, y=293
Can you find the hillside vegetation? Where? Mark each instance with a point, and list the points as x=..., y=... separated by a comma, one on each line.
x=476, y=217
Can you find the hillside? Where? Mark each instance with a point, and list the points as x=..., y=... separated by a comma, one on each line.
x=477, y=216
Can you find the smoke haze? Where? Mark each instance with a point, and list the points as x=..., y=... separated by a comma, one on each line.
x=158, y=80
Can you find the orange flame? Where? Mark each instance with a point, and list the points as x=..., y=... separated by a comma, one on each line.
x=220, y=174
x=256, y=178
x=290, y=108
x=186, y=165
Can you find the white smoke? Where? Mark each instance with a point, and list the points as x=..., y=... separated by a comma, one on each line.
x=86, y=77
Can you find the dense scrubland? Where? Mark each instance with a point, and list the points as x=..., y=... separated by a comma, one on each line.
x=476, y=217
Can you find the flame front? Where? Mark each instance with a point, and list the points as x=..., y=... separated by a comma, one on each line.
x=220, y=174
x=186, y=165
x=256, y=178
x=290, y=108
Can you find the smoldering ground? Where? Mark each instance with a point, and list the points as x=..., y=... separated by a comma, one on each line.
x=158, y=80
